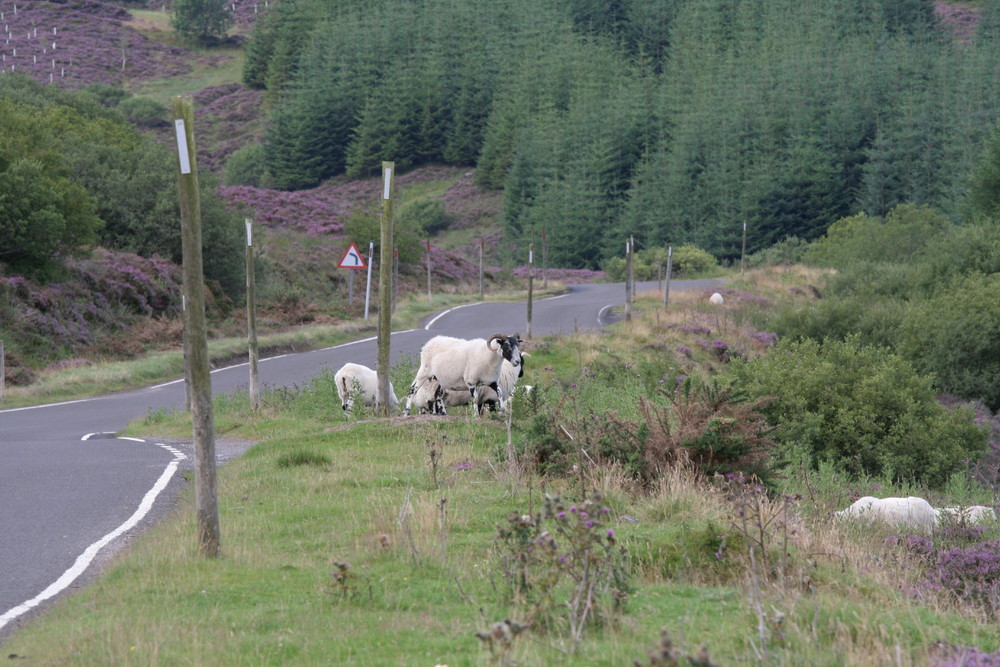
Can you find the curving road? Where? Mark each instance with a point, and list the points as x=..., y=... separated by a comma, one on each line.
x=71, y=492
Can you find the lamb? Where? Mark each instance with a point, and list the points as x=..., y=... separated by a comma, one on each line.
x=970, y=515
x=506, y=383
x=472, y=364
x=355, y=381
x=912, y=512
x=428, y=397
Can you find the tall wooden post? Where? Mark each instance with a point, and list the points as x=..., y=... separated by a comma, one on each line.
x=481, y=269
x=195, y=331
x=395, y=275
x=252, y=321
x=385, y=289
x=3, y=372
x=531, y=280
x=666, y=281
x=628, y=279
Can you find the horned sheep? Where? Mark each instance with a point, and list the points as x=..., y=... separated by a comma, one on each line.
x=355, y=381
x=472, y=364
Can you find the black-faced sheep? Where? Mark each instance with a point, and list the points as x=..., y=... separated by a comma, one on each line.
x=357, y=382
x=472, y=364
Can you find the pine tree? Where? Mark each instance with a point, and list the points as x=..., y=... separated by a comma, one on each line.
x=205, y=21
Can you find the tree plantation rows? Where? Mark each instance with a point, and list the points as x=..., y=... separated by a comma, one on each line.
x=672, y=121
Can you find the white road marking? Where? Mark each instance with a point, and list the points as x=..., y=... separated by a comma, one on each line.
x=84, y=560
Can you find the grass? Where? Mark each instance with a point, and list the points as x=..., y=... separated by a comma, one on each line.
x=337, y=535
x=210, y=66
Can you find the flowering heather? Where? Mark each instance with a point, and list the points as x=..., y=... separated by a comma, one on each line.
x=970, y=575
x=315, y=212
x=764, y=338
x=78, y=42
x=104, y=294
x=969, y=657
x=229, y=117
x=962, y=20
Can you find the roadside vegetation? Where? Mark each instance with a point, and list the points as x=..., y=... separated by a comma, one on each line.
x=647, y=497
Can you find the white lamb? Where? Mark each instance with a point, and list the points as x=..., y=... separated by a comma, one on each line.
x=912, y=512
x=488, y=397
x=473, y=364
x=970, y=515
x=357, y=382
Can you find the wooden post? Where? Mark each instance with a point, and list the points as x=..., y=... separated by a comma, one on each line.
x=628, y=279
x=385, y=289
x=252, y=321
x=196, y=335
x=429, y=299
x=666, y=277
x=531, y=279
x=395, y=276
x=481, y=269
x=3, y=372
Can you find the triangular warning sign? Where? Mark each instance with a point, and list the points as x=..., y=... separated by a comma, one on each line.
x=352, y=259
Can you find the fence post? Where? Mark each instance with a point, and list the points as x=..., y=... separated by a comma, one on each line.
x=628, y=279
x=385, y=290
x=252, y=321
x=666, y=283
x=196, y=334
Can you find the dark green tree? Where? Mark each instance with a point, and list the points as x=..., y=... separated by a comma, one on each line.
x=205, y=21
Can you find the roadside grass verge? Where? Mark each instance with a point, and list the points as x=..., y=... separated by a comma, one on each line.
x=377, y=542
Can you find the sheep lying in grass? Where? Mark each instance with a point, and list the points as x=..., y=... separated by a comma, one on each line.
x=357, y=382
x=472, y=364
x=969, y=515
x=912, y=512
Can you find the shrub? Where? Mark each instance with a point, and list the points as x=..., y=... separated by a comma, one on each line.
x=861, y=407
x=143, y=111
x=246, y=166
x=425, y=215
x=790, y=250
x=649, y=264
x=954, y=336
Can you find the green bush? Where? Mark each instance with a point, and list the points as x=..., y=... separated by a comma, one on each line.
x=862, y=408
x=247, y=167
x=905, y=232
x=955, y=336
x=790, y=250
x=143, y=111
x=650, y=264
x=425, y=214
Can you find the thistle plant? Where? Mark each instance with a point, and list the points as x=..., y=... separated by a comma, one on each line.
x=565, y=565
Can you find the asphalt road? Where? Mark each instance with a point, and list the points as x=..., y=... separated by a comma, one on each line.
x=71, y=493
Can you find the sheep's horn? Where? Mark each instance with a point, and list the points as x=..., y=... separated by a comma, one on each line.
x=496, y=336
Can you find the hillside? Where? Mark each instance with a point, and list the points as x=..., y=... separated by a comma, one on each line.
x=129, y=46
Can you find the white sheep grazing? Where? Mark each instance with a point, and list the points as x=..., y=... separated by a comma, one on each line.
x=357, y=382
x=912, y=512
x=474, y=364
x=969, y=515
